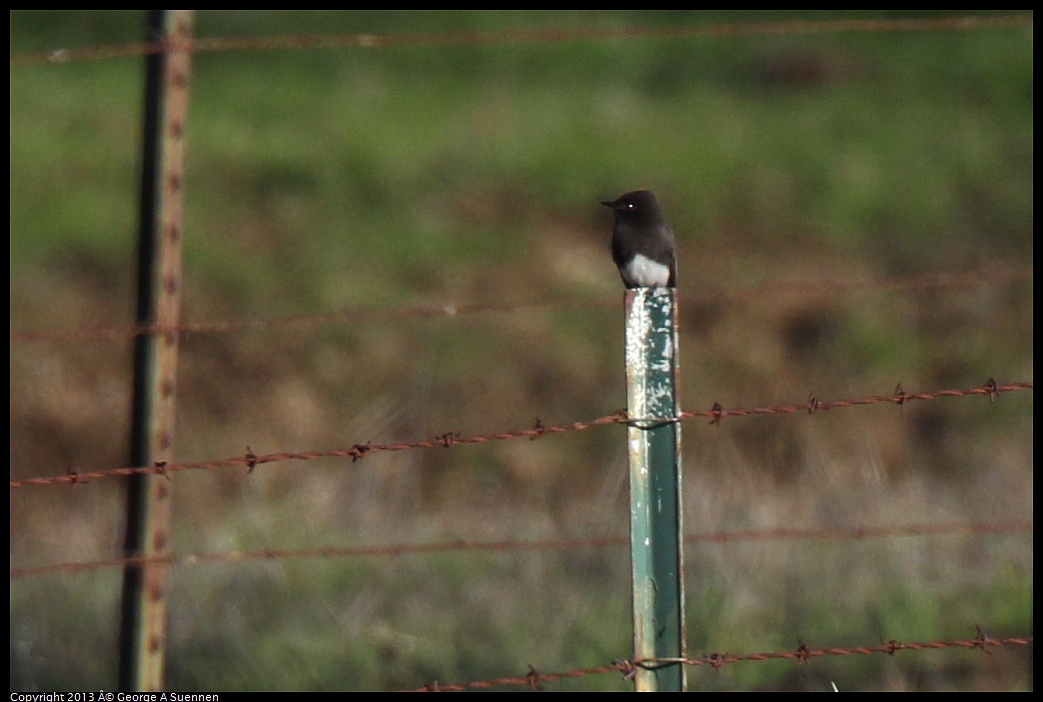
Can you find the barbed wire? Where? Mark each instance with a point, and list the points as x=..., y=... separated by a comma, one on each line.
x=803, y=654
x=535, y=680
x=353, y=315
x=356, y=315
x=1015, y=525
x=357, y=452
x=530, y=36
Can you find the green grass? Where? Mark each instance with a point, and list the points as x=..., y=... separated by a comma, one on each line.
x=321, y=179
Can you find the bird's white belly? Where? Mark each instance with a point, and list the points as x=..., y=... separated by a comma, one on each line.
x=646, y=273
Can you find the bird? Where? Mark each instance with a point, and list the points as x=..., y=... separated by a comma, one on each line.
x=642, y=242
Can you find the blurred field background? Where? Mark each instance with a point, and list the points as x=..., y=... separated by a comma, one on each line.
x=454, y=174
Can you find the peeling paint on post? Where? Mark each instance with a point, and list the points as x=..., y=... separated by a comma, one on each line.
x=654, y=446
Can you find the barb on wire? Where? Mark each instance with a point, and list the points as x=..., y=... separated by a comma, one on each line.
x=533, y=36
x=1010, y=526
x=990, y=387
x=251, y=460
x=450, y=439
x=357, y=451
x=535, y=679
x=931, y=280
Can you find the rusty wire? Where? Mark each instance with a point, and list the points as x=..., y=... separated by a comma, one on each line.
x=1010, y=526
x=804, y=653
x=358, y=451
x=899, y=397
x=530, y=36
x=355, y=315
x=534, y=679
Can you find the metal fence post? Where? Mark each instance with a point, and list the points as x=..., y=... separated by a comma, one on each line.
x=654, y=446
x=143, y=624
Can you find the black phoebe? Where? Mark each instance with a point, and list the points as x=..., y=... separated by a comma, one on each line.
x=642, y=242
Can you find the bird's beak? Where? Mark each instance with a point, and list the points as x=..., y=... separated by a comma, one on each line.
x=607, y=203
